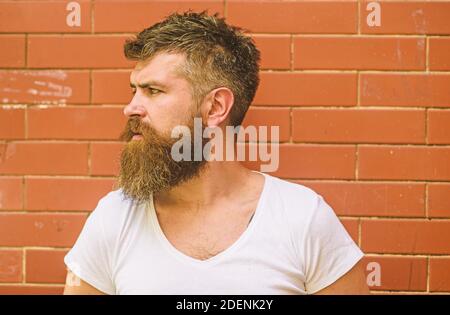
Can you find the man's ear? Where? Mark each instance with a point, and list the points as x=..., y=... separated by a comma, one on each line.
x=217, y=106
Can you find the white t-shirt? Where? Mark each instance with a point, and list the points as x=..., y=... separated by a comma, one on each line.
x=295, y=244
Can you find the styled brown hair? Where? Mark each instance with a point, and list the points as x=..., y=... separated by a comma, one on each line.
x=216, y=53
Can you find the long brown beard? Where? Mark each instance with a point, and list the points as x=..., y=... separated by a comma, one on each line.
x=146, y=165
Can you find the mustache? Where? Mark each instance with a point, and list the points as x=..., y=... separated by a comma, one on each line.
x=134, y=126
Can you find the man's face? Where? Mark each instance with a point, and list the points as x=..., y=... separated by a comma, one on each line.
x=161, y=101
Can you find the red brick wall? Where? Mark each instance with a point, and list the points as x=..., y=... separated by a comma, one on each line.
x=363, y=113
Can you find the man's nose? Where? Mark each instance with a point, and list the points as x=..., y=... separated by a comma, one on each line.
x=134, y=108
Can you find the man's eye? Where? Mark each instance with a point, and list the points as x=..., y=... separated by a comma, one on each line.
x=153, y=91
x=150, y=90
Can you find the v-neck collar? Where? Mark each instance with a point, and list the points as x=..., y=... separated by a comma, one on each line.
x=153, y=218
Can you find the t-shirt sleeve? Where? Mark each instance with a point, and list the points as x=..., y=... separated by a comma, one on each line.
x=329, y=250
x=90, y=257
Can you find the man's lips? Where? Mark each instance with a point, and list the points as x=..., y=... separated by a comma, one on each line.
x=137, y=137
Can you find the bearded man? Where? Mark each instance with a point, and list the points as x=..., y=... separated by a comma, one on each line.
x=204, y=226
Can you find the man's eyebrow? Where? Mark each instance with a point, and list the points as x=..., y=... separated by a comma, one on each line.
x=148, y=83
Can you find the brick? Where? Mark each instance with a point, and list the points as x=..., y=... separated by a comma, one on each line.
x=404, y=163
x=43, y=158
x=45, y=266
x=358, y=125
x=352, y=226
x=77, y=51
x=359, y=53
x=14, y=55
x=399, y=273
x=439, y=275
x=105, y=158
x=55, y=230
x=269, y=117
x=111, y=16
x=380, y=89
x=11, y=191
x=438, y=126
x=438, y=53
x=45, y=86
x=297, y=89
x=405, y=236
x=12, y=123
x=275, y=51
x=310, y=161
x=100, y=123
x=10, y=265
x=294, y=17
x=74, y=194
x=27, y=289
x=404, y=17
x=372, y=199
x=399, y=293
x=42, y=16
x=438, y=200
x=111, y=87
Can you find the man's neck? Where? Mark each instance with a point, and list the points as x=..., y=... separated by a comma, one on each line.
x=217, y=180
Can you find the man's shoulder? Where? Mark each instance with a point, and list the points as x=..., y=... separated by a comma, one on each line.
x=292, y=192
x=112, y=206
x=115, y=198
x=296, y=202
x=112, y=212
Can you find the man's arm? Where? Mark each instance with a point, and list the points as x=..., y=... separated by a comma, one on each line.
x=76, y=286
x=353, y=282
